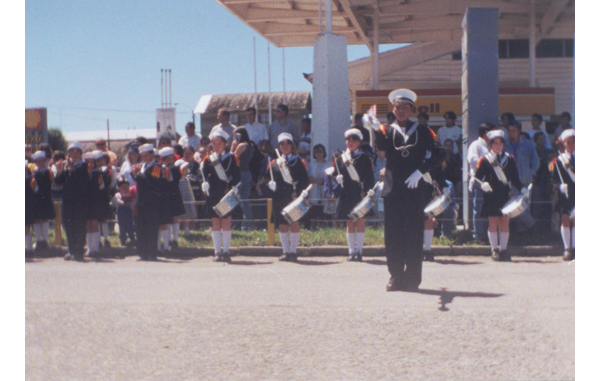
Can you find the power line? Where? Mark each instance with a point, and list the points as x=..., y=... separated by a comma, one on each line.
x=102, y=109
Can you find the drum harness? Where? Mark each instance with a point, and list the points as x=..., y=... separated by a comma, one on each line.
x=565, y=159
x=346, y=158
x=498, y=166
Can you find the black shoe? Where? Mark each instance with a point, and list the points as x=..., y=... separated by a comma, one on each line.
x=174, y=245
x=351, y=257
x=395, y=285
x=68, y=257
x=358, y=257
x=106, y=244
x=505, y=256
x=285, y=257
x=41, y=245
x=569, y=255
x=29, y=254
x=218, y=258
x=428, y=256
x=226, y=258
x=79, y=258
x=496, y=254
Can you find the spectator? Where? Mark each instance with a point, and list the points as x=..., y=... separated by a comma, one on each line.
x=450, y=131
x=477, y=150
x=266, y=149
x=358, y=124
x=527, y=164
x=124, y=200
x=45, y=147
x=244, y=153
x=390, y=117
x=306, y=138
x=191, y=138
x=332, y=191
x=506, y=118
x=316, y=176
x=423, y=118
x=164, y=141
x=536, y=122
x=101, y=145
x=132, y=158
x=303, y=153
x=57, y=190
x=541, y=192
x=565, y=124
x=224, y=125
x=256, y=131
x=28, y=152
x=282, y=124
x=194, y=178
x=453, y=168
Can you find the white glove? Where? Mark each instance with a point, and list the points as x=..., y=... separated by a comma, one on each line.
x=525, y=191
x=272, y=185
x=413, y=180
x=471, y=184
x=205, y=187
x=486, y=187
x=235, y=189
x=371, y=193
x=304, y=194
x=564, y=188
x=340, y=179
x=446, y=191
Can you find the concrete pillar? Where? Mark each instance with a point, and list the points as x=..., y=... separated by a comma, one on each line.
x=479, y=78
x=331, y=92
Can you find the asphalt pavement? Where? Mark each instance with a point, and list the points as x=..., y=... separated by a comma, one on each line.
x=320, y=319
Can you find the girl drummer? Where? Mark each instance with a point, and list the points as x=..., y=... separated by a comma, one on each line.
x=221, y=173
x=285, y=191
x=563, y=179
x=353, y=189
x=498, y=171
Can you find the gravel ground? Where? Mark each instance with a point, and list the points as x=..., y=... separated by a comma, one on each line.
x=320, y=319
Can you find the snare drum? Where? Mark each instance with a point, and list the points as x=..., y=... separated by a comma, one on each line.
x=362, y=208
x=515, y=206
x=295, y=210
x=227, y=204
x=437, y=206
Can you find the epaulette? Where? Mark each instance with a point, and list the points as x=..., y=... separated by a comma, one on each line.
x=444, y=164
x=432, y=132
x=383, y=128
x=552, y=165
x=156, y=171
x=32, y=183
x=303, y=162
x=205, y=158
x=479, y=161
x=167, y=173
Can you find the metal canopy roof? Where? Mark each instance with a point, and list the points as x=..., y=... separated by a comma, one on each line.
x=296, y=23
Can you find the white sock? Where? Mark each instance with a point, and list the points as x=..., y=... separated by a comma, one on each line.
x=29, y=242
x=427, y=239
x=503, y=240
x=37, y=230
x=360, y=239
x=96, y=237
x=226, y=240
x=294, y=238
x=158, y=241
x=285, y=242
x=165, y=236
x=565, y=232
x=175, y=231
x=104, y=227
x=351, y=237
x=217, y=241
x=573, y=237
x=45, y=228
x=493, y=236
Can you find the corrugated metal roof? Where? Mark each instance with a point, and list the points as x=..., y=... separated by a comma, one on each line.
x=85, y=136
x=211, y=103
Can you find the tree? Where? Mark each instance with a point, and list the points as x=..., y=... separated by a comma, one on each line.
x=57, y=140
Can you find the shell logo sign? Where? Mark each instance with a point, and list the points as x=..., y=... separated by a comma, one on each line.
x=36, y=125
x=33, y=119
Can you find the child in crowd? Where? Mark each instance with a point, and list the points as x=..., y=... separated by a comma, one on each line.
x=124, y=200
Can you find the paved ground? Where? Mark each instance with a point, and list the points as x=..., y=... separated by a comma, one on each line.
x=320, y=319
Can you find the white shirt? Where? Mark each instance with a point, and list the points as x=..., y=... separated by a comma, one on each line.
x=453, y=133
x=256, y=131
x=317, y=170
x=193, y=141
x=476, y=150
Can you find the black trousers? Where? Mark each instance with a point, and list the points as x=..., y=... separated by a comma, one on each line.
x=404, y=223
x=75, y=224
x=147, y=226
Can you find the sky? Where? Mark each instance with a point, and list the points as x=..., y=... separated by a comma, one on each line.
x=87, y=62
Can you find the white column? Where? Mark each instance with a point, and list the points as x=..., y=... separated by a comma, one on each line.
x=532, y=43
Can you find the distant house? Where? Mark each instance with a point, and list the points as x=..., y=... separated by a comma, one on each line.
x=299, y=103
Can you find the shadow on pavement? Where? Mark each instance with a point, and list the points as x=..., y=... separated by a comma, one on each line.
x=539, y=261
x=446, y=297
x=378, y=262
x=455, y=262
x=313, y=263
x=248, y=263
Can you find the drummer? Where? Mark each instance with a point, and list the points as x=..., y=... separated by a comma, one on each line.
x=498, y=171
x=563, y=179
x=353, y=190
x=435, y=185
x=285, y=192
x=221, y=173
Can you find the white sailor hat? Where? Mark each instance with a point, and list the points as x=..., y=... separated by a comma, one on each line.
x=97, y=154
x=220, y=133
x=146, y=148
x=166, y=151
x=496, y=134
x=354, y=131
x=182, y=163
x=89, y=156
x=285, y=136
x=567, y=133
x=38, y=155
x=403, y=95
x=76, y=145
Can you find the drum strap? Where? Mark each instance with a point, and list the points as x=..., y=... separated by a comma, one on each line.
x=497, y=167
x=565, y=159
x=347, y=160
x=284, y=169
x=216, y=163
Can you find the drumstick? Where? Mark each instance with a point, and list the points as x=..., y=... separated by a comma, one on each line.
x=338, y=169
x=561, y=180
